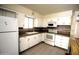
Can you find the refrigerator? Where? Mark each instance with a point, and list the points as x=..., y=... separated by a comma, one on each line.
x=8, y=36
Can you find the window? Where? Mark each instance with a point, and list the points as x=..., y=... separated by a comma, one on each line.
x=28, y=22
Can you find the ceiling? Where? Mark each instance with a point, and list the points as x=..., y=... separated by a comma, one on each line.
x=45, y=9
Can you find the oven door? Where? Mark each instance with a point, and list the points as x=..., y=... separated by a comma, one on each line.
x=50, y=36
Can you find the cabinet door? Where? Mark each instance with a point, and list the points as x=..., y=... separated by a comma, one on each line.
x=36, y=22
x=62, y=41
x=42, y=36
x=57, y=39
x=34, y=39
x=45, y=36
x=65, y=42
x=65, y=39
x=23, y=43
x=20, y=17
x=31, y=40
x=38, y=38
x=64, y=20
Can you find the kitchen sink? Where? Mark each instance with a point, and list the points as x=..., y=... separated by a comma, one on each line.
x=31, y=32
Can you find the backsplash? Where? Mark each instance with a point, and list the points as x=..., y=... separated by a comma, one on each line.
x=64, y=27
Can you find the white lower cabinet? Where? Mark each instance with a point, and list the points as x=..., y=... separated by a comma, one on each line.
x=62, y=41
x=29, y=41
x=24, y=43
x=42, y=36
x=38, y=38
x=33, y=40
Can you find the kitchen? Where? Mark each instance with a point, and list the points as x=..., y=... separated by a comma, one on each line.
x=53, y=32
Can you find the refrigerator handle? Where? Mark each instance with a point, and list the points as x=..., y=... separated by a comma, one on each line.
x=5, y=23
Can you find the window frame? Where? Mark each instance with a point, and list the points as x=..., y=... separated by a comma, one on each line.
x=28, y=22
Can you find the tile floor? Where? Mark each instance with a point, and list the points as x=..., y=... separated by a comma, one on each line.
x=44, y=49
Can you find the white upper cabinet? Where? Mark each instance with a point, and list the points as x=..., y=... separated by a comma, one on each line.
x=61, y=18
x=25, y=23
x=64, y=20
x=35, y=22
x=20, y=18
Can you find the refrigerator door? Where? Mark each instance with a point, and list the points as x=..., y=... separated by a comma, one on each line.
x=9, y=43
x=8, y=24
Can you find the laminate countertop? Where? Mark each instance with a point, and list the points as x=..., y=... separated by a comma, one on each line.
x=30, y=33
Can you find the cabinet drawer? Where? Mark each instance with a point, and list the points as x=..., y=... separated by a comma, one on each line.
x=61, y=45
x=64, y=42
x=65, y=39
x=65, y=46
x=57, y=44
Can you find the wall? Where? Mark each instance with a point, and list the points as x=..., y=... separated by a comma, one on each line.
x=73, y=27
x=21, y=12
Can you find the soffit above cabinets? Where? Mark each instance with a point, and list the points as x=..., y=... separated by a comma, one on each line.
x=45, y=9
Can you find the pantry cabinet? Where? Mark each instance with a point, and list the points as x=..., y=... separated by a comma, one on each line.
x=62, y=41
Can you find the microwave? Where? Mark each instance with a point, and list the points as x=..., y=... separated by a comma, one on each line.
x=52, y=25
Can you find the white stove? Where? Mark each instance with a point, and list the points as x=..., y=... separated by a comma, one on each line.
x=52, y=30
